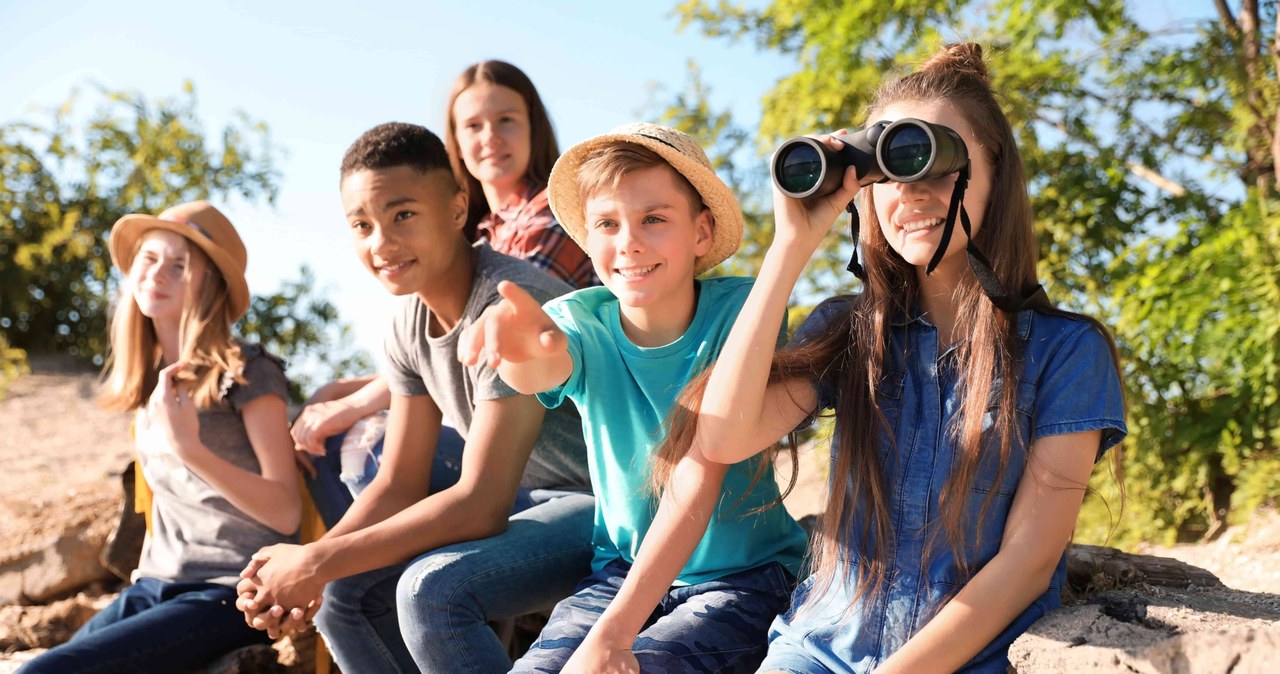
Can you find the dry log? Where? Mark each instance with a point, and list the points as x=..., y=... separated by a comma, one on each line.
x=1092, y=567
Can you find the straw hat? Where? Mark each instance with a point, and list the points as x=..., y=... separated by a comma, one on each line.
x=683, y=154
x=201, y=224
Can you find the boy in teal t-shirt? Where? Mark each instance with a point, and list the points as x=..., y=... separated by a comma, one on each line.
x=692, y=582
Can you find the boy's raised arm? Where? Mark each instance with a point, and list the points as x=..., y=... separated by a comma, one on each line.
x=518, y=339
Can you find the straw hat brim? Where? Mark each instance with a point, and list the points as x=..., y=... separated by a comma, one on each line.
x=130, y=228
x=566, y=199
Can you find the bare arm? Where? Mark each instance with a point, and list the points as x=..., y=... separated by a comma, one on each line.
x=271, y=497
x=1040, y=523
x=683, y=513
x=340, y=388
x=516, y=337
x=742, y=413
x=328, y=414
x=395, y=519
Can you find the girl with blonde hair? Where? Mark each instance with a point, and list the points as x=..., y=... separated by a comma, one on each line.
x=212, y=435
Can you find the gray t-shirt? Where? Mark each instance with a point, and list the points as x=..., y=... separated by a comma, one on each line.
x=196, y=534
x=419, y=364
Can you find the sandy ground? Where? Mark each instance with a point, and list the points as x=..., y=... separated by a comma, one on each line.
x=59, y=451
x=56, y=447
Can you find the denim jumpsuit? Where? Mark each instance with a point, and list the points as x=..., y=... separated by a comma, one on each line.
x=1069, y=384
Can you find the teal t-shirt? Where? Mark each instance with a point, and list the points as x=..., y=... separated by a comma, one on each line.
x=624, y=393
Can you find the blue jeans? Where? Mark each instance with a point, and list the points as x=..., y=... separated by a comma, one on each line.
x=154, y=626
x=432, y=614
x=333, y=496
x=716, y=626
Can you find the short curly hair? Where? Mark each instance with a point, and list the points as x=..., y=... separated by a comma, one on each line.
x=396, y=144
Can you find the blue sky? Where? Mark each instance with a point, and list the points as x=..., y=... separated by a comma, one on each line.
x=320, y=73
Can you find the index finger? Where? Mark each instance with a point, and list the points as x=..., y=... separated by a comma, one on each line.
x=833, y=140
x=519, y=297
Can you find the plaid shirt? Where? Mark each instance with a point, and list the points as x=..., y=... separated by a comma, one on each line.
x=529, y=231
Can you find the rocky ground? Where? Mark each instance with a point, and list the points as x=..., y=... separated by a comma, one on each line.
x=60, y=457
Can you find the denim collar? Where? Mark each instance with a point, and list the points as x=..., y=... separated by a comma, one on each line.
x=914, y=314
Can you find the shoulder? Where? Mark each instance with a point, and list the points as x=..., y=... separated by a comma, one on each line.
x=259, y=372
x=591, y=301
x=829, y=312
x=492, y=267
x=726, y=286
x=1059, y=329
x=256, y=358
x=1055, y=339
x=408, y=319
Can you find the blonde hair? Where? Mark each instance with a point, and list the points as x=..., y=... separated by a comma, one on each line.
x=604, y=168
x=204, y=338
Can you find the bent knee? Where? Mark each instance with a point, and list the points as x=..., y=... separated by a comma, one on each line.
x=435, y=582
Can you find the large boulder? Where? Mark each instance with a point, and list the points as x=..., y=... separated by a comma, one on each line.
x=1150, y=630
x=59, y=553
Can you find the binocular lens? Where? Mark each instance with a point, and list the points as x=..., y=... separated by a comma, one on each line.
x=908, y=150
x=799, y=169
x=903, y=151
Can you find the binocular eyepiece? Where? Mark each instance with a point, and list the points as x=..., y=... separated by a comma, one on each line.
x=904, y=151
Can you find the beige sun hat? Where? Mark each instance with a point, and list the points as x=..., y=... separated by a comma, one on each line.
x=683, y=154
x=201, y=224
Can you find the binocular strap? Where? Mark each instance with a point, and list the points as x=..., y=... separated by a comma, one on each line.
x=1003, y=299
x=853, y=261
x=1034, y=298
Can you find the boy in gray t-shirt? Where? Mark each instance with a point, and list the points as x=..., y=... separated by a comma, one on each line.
x=414, y=569
x=423, y=364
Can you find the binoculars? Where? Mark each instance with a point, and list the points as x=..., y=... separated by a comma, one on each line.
x=904, y=151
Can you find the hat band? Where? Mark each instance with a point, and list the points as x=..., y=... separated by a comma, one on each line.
x=184, y=221
x=645, y=135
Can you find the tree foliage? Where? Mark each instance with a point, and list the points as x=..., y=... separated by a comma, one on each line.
x=1151, y=151
x=63, y=184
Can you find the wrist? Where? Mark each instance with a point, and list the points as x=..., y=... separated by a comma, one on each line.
x=346, y=411
x=318, y=558
x=613, y=631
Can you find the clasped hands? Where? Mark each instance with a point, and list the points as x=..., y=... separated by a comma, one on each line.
x=277, y=577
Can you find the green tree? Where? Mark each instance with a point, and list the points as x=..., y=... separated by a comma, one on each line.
x=1151, y=152
x=63, y=184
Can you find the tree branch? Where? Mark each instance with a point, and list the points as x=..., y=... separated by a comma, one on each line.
x=1275, y=126
x=1151, y=176
x=1156, y=179
x=1228, y=21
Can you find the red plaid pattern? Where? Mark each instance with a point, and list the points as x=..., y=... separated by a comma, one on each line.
x=528, y=230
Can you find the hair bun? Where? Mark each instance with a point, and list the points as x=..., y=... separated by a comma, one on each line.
x=960, y=58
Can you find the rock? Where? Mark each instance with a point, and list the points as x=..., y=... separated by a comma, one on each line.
x=59, y=554
x=27, y=627
x=1150, y=630
x=259, y=659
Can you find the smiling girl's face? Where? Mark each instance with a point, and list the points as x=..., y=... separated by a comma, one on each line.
x=912, y=215
x=494, y=134
x=162, y=269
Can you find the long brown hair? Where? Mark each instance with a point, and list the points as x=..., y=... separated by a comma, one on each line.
x=853, y=351
x=542, y=137
x=205, y=342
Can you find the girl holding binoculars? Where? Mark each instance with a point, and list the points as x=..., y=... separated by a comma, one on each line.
x=965, y=432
